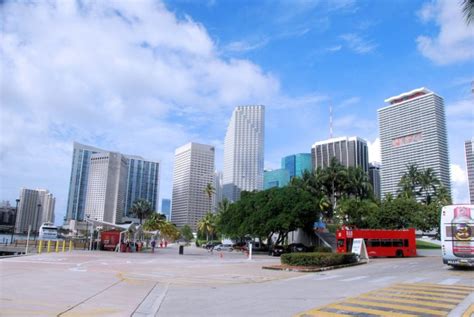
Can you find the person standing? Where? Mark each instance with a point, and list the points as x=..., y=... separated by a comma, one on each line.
x=153, y=244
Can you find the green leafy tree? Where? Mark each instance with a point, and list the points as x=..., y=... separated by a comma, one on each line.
x=166, y=228
x=333, y=179
x=357, y=183
x=187, y=233
x=142, y=209
x=399, y=213
x=428, y=185
x=354, y=212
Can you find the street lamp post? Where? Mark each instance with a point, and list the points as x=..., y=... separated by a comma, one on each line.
x=14, y=220
x=87, y=230
x=36, y=221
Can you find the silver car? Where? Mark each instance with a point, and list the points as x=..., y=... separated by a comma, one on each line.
x=223, y=247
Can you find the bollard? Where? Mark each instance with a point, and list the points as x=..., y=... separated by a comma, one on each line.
x=70, y=245
x=49, y=246
x=181, y=249
x=40, y=246
x=57, y=246
x=64, y=245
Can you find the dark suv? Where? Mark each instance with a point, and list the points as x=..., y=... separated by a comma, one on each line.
x=297, y=247
x=278, y=250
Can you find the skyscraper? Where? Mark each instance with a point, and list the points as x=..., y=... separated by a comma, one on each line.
x=374, y=178
x=218, y=195
x=106, y=186
x=142, y=181
x=243, y=151
x=193, y=170
x=166, y=208
x=349, y=151
x=296, y=164
x=469, y=149
x=413, y=131
x=35, y=207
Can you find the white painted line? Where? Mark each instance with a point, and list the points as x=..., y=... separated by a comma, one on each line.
x=329, y=277
x=383, y=279
x=449, y=281
x=415, y=280
x=354, y=278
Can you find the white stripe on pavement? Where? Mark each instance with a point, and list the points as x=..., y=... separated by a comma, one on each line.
x=415, y=280
x=354, y=278
x=383, y=279
x=329, y=277
x=449, y=281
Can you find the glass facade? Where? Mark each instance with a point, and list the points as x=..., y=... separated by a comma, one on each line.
x=296, y=164
x=166, y=208
x=276, y=178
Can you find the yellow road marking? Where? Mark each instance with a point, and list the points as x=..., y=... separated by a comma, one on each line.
x=386, y=293
x=469, y=311
x=368, y=311
x=413, y=291
x=395, y=306
x=439, y=291
x=318, y=313
x=436, y=288
x=457, y=286
x=407, y=301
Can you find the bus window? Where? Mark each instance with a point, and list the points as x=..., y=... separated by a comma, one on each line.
x=340, y=243
x=386, y=243
x=405, y=242
x=374, y=242
x=397, y=242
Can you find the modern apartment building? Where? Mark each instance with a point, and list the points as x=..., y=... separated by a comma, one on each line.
x=218, y=195
x=296, y=164
x=469, y=150
x=244, y=151
x=413, y=131
x=349, y=151
x=142, y=181
x=35, y=207
x=106, y=187
x=276, y=178
x=193, y=170
x=166, y=208
x=374, y=178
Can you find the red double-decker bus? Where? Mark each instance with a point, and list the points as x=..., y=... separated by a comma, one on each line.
x=379, y=242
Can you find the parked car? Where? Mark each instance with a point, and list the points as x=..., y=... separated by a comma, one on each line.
x=223, y=247
x=278, y=250
x=297, y=247
x=210, y=245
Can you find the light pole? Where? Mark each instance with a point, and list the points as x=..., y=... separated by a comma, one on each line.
x=36, y=221
x=14, y=220
x=87, y=229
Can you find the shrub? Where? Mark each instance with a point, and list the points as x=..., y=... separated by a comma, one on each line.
x=322, y=249
x=320, y=259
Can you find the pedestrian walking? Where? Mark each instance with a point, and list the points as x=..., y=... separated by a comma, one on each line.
x=153, y=244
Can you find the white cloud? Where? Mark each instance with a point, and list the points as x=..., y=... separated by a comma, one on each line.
x=126, y=76
x=459, y=186
x=358, y=44
x=455, y=40
x=374, y=151
x=245, y=46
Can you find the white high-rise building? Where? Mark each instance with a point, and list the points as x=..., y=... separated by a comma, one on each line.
x=193, y=170
x=469, y=151
x=106, y=185
x=243, y=151
x=413, y=131
x=217, y=197
x=35, y=207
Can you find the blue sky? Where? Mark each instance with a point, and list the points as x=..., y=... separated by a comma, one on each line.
x=145, y=77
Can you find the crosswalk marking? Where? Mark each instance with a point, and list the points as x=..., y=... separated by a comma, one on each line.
x=400, y=300
x=407, y=301
x=376, y=312
x=449, y=281
x=416, y=280
x=397, y=306
x=425, y=297
x=383, y=279
x=326, y=277
x=354, y=278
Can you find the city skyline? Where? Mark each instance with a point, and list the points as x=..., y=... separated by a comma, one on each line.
x=296, y=59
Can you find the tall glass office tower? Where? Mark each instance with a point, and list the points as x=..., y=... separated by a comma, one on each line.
x=243, y=151
x=166, y=208
x=142, y=181
x=413, y=131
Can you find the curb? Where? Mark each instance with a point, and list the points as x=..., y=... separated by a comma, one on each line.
x=310, y=269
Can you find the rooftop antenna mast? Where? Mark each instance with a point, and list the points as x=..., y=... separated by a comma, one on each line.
x=330, y=119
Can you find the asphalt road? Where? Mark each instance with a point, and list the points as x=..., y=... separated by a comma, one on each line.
x=199, y=283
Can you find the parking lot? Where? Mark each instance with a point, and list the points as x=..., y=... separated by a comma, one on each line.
x=198, y=283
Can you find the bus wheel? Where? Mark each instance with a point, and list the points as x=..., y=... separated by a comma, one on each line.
x=399, y=254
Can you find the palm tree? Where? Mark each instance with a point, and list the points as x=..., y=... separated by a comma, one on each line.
x=428, y=184
x=209, y=190
x=468, y=10
x=142, y=208
x=223, y=206
x=410, y=181
x=358, y=183
x=207, y=224
x=333, y=177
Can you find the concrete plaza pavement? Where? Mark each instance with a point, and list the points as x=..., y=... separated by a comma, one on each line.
x=198, y=283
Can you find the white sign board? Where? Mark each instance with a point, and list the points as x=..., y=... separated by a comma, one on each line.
x=359, y=248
